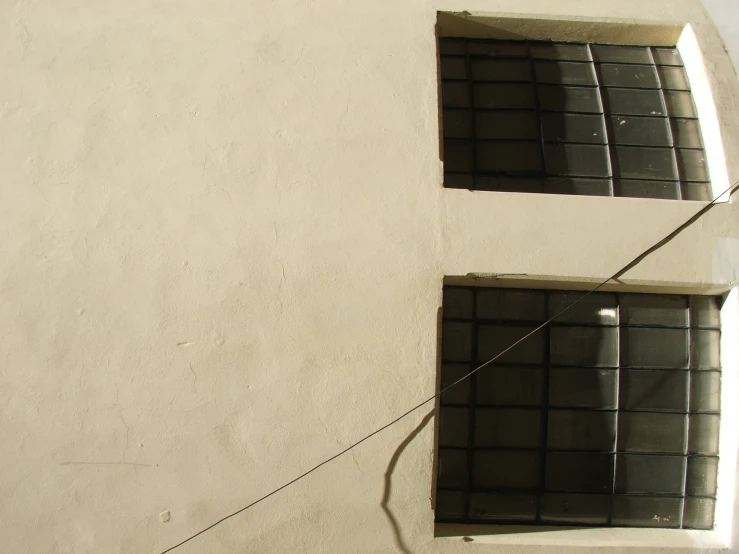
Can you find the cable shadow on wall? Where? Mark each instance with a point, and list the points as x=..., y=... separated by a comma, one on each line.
x=385, y=503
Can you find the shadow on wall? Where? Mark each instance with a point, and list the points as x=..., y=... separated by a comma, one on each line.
x=397, y=531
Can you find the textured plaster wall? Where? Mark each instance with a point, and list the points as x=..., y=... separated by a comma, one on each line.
x=222, y=242
x=725, y=14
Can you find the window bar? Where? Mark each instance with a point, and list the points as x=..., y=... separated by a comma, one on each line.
x=661, y=94
x=472, y=402
x=606, y=127
x=545, y=407
x=672, y=138
x=537, y=105
x=687, y=416
x=617, y=407
x=542, y=449
x=473, y=122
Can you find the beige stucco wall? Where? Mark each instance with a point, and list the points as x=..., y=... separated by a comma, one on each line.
x=222, y=242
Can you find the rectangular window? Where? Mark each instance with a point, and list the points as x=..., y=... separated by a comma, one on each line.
x=548, y=117
x=609, y=416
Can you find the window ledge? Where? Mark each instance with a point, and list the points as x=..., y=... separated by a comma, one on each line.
x=672, y=540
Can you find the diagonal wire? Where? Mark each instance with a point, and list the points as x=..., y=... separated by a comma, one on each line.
x=730, y=190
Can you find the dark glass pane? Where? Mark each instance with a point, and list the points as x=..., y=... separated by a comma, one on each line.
x=565, y=73
x=600, y=308
x=654, y=309
x=456, y=341
x=511, y=305
x=449, y=505
x=654, y=348
x=587, y=509
x=451, y=46
x=453, y=426
x=634, y=102
x=699, y=513
x=581, y=430
x=679, y=104
x=579, y=472
x=705, y=391
x=459, y=393
x=562, y=127
x=584, y=346
x=703, y=431
x=666, y=56
x=705, y=349
x=569, y=99
x=497, y=48
x=496, y=469
x=453, y=471
x=457, y=155
x=505, y=96
x=508, y=184
x=500, y=70
x=652, y=432
x=640, y=131
x=458, y=180
x=494, y=339
x=507, y=428
x=635, y=76
x=687, y=133
x=507, y=125
x=705, y=311
x=510, y=385
x=574, y=185
x=500, y=507
x=457, y=124
x=650, y=474
x=509, y=157
x=645, y=511
x=453, y=68
x=576, y=52
x=577, y=160
x=673, y=78
x=645, y=389
x=583, y=388
x=458, y=302
x=696, y=191
x=633, y=162
x=692, y=165
x=702, y=474
x=454, y=95
x=621, y=54
x=669, y=190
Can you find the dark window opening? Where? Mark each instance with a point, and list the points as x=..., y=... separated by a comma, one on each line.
x=562, y=118
x=609, y=416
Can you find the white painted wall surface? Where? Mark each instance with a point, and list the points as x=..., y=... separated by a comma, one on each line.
x=725, y=14
x=222, y=243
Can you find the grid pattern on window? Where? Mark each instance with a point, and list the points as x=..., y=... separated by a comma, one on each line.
x=609, y=416
x=567, y=118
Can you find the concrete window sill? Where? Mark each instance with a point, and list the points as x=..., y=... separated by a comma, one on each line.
x=672, y=540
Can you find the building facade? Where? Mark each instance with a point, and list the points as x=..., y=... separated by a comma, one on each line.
x=225, y=237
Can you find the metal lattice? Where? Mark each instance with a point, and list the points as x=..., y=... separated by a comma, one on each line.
x=526, y=116
x=609, y=416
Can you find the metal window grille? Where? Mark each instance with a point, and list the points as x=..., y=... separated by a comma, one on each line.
x=565, y=118
x=609, y=416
